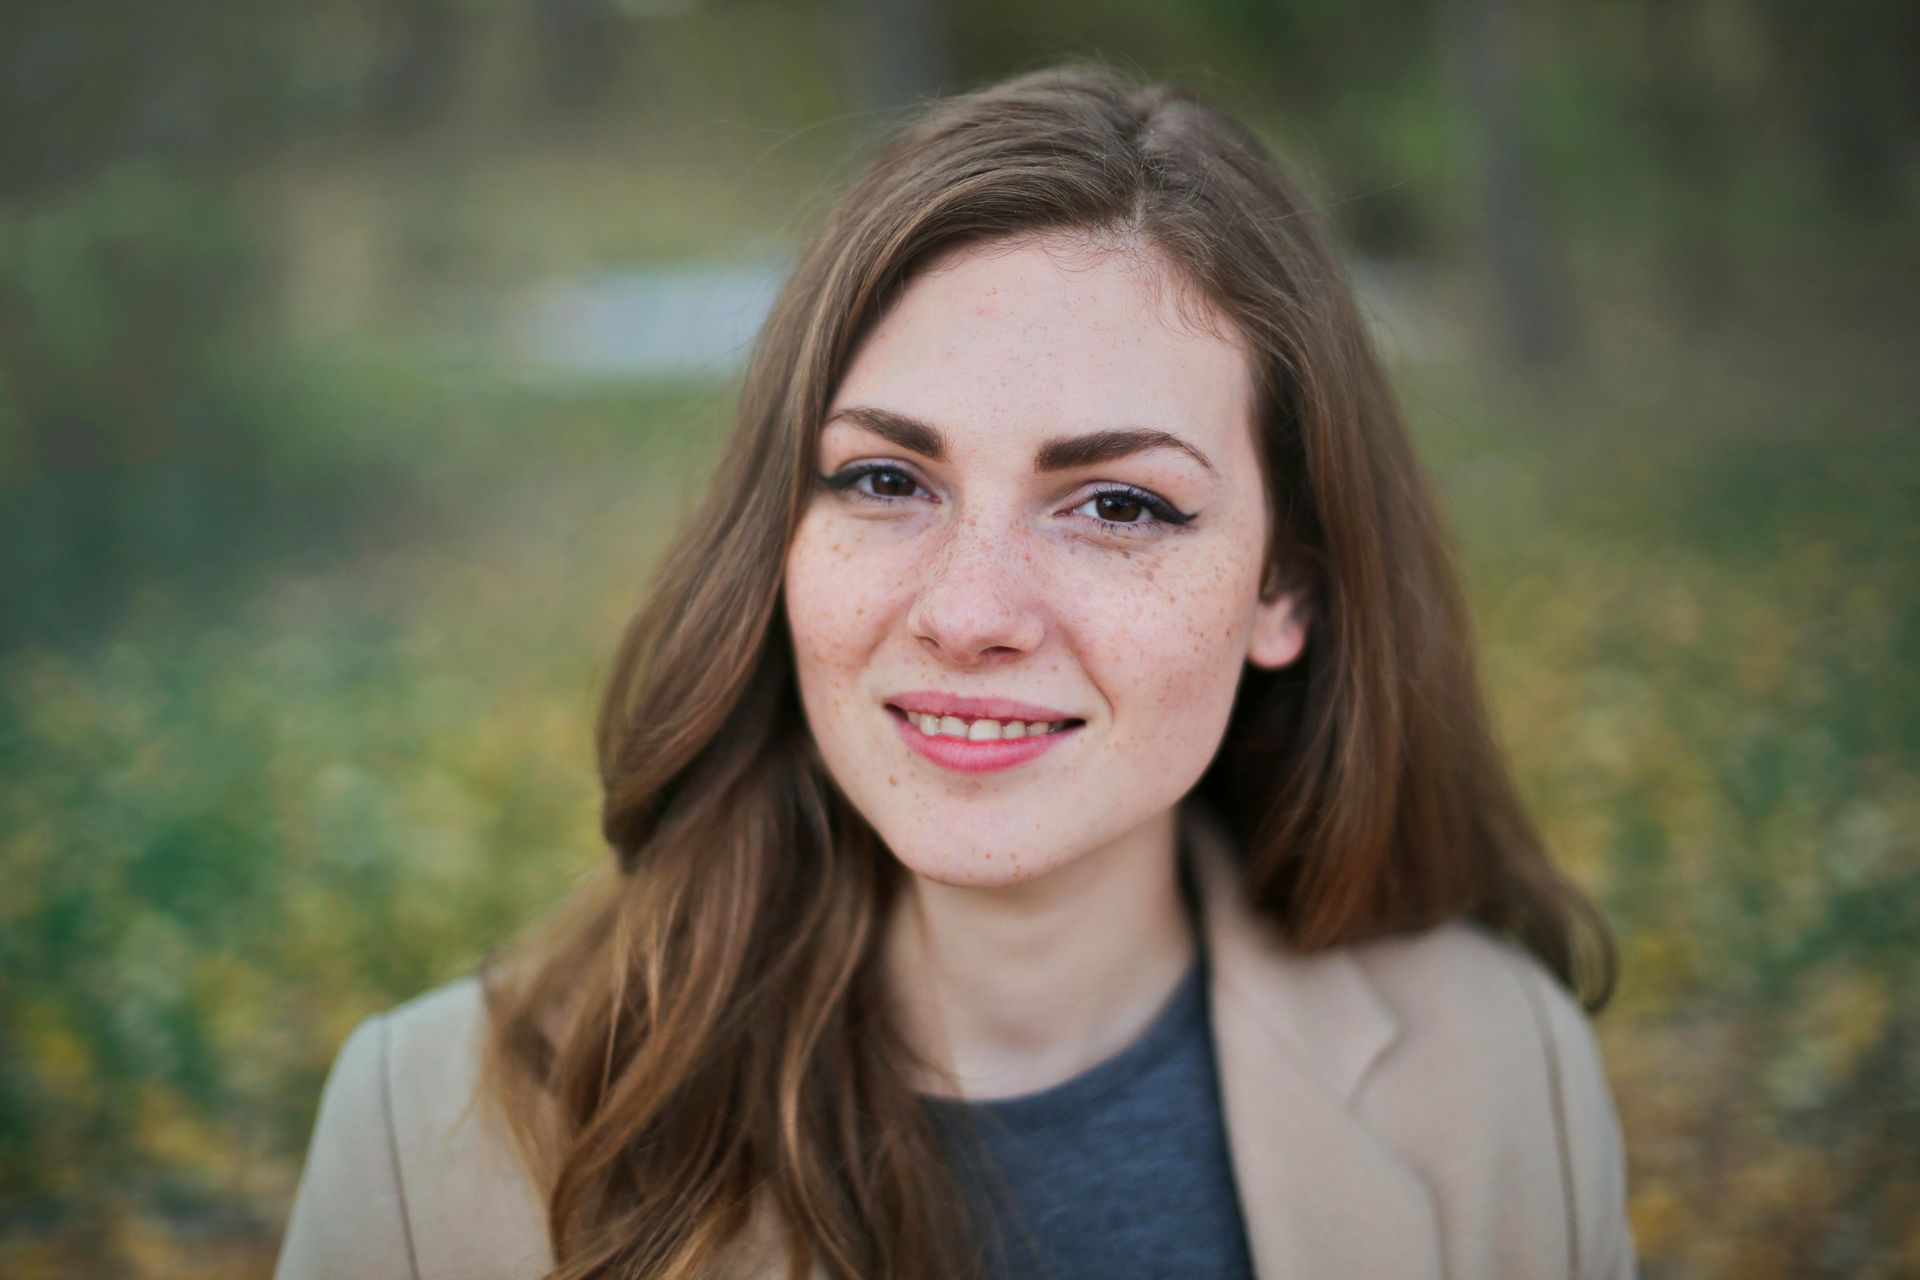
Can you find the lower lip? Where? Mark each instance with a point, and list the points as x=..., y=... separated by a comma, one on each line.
x=964, y=755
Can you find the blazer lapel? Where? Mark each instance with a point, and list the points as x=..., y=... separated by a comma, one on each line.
x=1322, y=1195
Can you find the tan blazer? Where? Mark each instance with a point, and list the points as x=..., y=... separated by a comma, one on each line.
x=1423, y=1107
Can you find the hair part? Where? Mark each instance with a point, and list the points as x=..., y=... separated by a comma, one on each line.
x=705, y=1028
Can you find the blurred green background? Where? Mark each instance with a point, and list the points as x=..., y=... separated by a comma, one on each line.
x=355, y=357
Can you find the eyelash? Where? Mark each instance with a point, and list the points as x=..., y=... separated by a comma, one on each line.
x=1165, y=514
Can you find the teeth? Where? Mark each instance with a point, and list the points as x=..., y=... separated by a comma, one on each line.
x=982, y=730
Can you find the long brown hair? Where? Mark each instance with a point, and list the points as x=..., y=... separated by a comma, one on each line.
x=704, y=1027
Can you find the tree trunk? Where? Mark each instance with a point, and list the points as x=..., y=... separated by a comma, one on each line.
x=1529, y=294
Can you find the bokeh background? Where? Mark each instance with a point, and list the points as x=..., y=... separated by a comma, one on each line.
x=355, y=357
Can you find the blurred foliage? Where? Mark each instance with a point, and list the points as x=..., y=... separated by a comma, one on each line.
x=310, y=581
x=1697, y=571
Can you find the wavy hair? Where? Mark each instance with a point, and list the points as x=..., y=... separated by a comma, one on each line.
x=702, y=1030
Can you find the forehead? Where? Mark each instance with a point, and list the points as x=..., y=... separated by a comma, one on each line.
x=1029, y=338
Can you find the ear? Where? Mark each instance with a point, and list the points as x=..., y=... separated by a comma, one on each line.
x=1279, y=631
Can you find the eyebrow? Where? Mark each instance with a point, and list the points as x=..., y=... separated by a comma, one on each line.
x=1061, y=453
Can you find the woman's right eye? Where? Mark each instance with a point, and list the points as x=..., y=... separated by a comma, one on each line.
x=875, y=482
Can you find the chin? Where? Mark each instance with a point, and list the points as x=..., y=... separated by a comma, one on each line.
x=974, y=868
x=997, y=849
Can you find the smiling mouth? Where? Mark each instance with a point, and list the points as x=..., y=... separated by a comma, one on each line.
x=982, y=728
x=966, y=744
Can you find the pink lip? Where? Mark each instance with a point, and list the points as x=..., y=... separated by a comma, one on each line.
x=928, y=702
x=966, y=756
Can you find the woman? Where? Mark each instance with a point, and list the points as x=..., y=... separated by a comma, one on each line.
x=1057, y=827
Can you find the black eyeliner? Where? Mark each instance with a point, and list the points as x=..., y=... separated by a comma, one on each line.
x=1161, y=508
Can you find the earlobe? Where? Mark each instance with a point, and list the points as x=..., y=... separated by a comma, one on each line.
x=1279, y=631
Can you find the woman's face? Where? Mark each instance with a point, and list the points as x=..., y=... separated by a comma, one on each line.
x=1039, y=502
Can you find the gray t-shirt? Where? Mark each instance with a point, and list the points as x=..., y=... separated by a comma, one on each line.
x=1121, y=1171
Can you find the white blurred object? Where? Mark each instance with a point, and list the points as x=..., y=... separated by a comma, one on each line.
x=650, y=322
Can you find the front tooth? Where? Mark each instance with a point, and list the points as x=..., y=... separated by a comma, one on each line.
x=953, y=726
x=1014, y=729
x=984, y=731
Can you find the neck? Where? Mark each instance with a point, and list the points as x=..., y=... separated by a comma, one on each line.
x=1015, y=988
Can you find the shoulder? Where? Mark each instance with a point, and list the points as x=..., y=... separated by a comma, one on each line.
x=1463, y=977
x=410, y=1172
x=434, y=1044
x=1496, y=1061
x=1464, y=991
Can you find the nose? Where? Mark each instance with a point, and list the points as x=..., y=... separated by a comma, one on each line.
x=978, y=601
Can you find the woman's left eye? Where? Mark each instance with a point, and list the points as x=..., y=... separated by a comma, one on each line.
x=1122, y=508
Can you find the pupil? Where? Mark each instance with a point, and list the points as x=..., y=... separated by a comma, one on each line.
x=1114, y=506
x=894, y=484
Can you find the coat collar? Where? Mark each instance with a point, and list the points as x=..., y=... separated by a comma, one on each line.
x=1294, y=1036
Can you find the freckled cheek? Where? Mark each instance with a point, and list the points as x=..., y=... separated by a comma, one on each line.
x=1171, y=659
x=840, y=593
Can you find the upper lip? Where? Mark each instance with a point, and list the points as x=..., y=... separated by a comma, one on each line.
x=932, y=703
